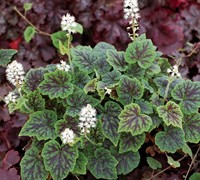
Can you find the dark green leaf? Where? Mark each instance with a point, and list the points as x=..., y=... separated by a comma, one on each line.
x=129, y=89
x=131, y=143
x=112, y=78
x=145, y=106
x=188, y=93
x=103, y=47
x=6, y=56
x=171, y=114
x=110, y=121
x=59, y=160
x=131, y=120
x=32, y=166
x=141, y=51
x=29, y=33
x=41, y=125
x=195, y=176
x=81, y=163
x=135, y=71
x=156, y=121
x=127, y=162
x=59, y=36
x=147, y=86
x=117, y=60
x=77, y=101
x=191, y=127
x=170, y=140
x=57, y=84
x=153, y=163
x=153, y=69
x=102, y=164
x=81, y=79
x=91, y=86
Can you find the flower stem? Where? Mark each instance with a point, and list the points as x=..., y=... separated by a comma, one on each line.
x=170, y=80
x=69, y=55
x=92, y=142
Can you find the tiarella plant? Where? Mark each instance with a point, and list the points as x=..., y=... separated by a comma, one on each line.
x=95, y=112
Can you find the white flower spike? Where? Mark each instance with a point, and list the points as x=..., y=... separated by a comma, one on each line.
x=67, y=23
x=11, y=97
x=131, y=10
x=174, y=71
x=67, y=136
x=63, y=66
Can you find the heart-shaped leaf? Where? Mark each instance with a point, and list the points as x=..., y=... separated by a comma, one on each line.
x=131, y=120
x=110, y=121
x=59, y=36
x=103, y=47
x=59, y=160
x=81, y=163
x=81, y=79
x=131, y=143
x=191, y=127
x=171, y=139
x=41, y=125
x=188, y=93
x=141, y=51
x=129, y=89
x=153, y=163
x=83, y=58
x=6, y=56
x=111, y=78
x=32, y=166
x=57, y=84
x=171, y=114
x=77, y=100
x=102, y=164
x=29, y=33
x=117, y=60
x=127, y=162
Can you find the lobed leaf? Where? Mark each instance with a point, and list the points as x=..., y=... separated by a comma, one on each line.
x=135, y=71
x=6, y=56
x=102, y=164
x=110, y=79
x=170, y=140
x=57, y=84
x=187, y=93
x=81, y=79
x=145, y=106
x=131, y=120
x=32, y=166
x=171, y=114
x=110, y=121
x=59, y=160
x=81, y=164
x=129, y=89
x=41, y=125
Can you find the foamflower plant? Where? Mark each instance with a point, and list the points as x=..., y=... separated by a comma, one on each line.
x=95, y=115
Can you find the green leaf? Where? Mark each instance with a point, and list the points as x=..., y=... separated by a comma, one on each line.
x=187, y=150
x=62, y=48
x=32, y=166
x=131, y=120
x=191, y=127
x=41, y=125
x=27, y=6
x=59, y=160
x=77, y=28
x=172, y=162
x=33, y=78
x=153, y=163
x=57, y=84
x=127, y=162
x=59, y=36
x=29, y=33
x=110, y=121
x=81, y=163
x=102, y=164
x=162, y=82
x=188, y=93
x=83, y=58
x=77, y=101
x=117, y=60
x=6, y=56
x=170, y=140
x=195, y=176
x=143, y=52
x=34, y=102
x=147, y=86
x=171, y=114
x=156, y=100
x=81, y=79
x=145, y=106
x=111, y=78
x=103, y=47
x=153, y=69
x=131, y=143
x=135, y=71
x=156, y=121
x=129, y=89
x=91, y=86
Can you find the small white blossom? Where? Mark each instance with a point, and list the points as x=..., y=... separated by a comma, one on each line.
x=87, y=117
x=67, y=23
x=15, y=73
x=63, y=66
x=11, y=97
x=67, y=136
x=174, y=71
x=108, y=91
x=131, y=10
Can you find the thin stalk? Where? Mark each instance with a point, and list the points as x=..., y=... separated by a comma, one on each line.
x=69, y=55
x=30, y=23
x=170, y=80
x=92, y=142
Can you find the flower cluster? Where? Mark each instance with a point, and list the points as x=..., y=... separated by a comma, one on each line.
x=87, y=118
x=68, y=23
x=11, y=97
x=67, y=136
x=174, y=71
x=63, y=66
x=15, y=73
x=131, y=10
